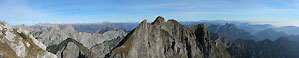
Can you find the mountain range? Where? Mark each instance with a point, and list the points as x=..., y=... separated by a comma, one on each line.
x=159, y=39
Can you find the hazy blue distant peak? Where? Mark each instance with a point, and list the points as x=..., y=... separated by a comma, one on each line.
x=291, y=30
x=289, y=27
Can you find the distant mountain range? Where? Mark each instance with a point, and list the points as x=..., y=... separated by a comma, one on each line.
x=246, y=26
x=231, y=31
x=290, y=30
x=280, y=48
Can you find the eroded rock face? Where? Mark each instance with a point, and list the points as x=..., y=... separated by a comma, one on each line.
x=71, y=50
x=165, y=40
x=18, y=43
x=220, y=40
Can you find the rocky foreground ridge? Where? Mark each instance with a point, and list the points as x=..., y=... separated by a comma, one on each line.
x=167, y=40
x=18, y=43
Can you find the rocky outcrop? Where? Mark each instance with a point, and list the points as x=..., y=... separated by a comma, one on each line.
x=100, y=50
x=165, y=40
x=220, y=40
x=18, y=43
x=69, y=48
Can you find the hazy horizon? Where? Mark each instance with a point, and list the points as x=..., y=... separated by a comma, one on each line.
x=29, y=12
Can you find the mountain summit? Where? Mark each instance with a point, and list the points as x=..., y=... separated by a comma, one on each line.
x=159, y=20
x=167, y=39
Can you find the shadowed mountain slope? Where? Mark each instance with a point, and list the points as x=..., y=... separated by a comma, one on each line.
x=55, y=48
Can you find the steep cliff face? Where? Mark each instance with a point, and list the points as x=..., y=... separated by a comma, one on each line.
x=100, y=50
x=70, y=48
x=18, y=43
x=220, y=40
x=167, y=39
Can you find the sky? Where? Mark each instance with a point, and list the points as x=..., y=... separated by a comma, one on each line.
x=29, y=12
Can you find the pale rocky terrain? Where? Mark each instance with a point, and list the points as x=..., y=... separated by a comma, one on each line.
x=54, y=37
x=51, y=34
x=18, y=43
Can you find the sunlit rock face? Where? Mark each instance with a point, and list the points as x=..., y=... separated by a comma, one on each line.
x=167, y=40
x=18, y=43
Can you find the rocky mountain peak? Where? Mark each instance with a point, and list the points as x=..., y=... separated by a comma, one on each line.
x=166, y=40
x=172, y=21
x=144, y=22
x=158, y=21
x=227, y=25
x=201, y=31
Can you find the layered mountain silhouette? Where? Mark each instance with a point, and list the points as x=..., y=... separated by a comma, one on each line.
x=280, y=48
x=290, y=30
x=274, y=35
x=231, y=31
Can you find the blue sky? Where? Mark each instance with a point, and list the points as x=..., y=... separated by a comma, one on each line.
x=29, y=12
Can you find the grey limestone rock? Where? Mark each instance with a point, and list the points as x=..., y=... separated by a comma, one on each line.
x=18, y=43
x=167, y=40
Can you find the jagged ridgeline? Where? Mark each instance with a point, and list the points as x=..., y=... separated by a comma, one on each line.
x=18, y=43
x=160, y=39
x=167, y=40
